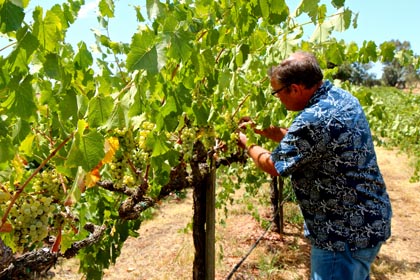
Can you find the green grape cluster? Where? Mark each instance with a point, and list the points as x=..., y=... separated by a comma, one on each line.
x=50, y=184
x=145, y=129
x=118, y=168
x=120, y=172
x=133, y=155
x=30, y=220
x=187, y=138
x=141, y=158
x=125, y=139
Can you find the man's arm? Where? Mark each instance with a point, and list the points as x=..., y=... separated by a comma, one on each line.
x=260, y=156
x=272, y=132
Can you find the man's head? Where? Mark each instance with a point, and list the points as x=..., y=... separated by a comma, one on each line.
x=296, y=79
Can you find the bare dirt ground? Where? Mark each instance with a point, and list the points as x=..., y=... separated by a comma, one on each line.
x=164, y=249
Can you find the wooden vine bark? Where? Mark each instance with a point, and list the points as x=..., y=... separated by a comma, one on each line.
x=35, y=263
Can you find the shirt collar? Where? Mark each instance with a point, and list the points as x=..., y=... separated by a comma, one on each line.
x=321, y=91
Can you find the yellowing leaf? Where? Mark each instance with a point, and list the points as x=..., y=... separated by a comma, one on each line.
x=92, y=177
x=111, y=146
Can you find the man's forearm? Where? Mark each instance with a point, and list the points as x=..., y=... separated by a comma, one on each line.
x=273, y=132
x=262, y=159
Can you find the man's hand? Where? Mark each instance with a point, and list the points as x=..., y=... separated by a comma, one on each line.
x=272, y=132
x=244, y=122
x=242, y=139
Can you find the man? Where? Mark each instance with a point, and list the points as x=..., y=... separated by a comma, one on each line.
x=328, y=152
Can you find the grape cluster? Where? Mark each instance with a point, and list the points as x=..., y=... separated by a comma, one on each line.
x=145, y=129
x=133, y=155
x=49, y=184
x=120, y=173
x=187, y=138
x=30, y=220
x=126, y=139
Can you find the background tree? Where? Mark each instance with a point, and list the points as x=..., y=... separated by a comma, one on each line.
x=357, y=74
x=400, y=71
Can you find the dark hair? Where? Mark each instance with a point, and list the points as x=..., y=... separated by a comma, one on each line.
x=300, y=68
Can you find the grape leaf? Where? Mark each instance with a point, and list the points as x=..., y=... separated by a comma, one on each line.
x=48, y=30
x=100, y=109
x=87, y=150
x=52, y=67
x=6, y=152
x=143, y=53
x=83, y=58
x=20, y=101
x=11, y=16
x=342, y=21
x=106, y=8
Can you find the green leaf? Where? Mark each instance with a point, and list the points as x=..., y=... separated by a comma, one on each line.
x=144, y=53
x=180, y=45
x=26, y=40
x=48, y=30
x=20, y=130
x=100, y=109
x=52, y=67
x=68, y=107
x=154, y=9
x=387, y=51
x=106, y=8
x=338, y=3
x=139, y=15
x=158, y=144
x=201, y=113
x=20, y=3
x=265, y=8
x=367, y=52
x=19, y=58
x=6, y=152
x=356, y=16
x=75, y=192
x=11, y=16
x=279, y=11
x=87, y=150
x=168, y=115
x=62, y=16
x=20, y=101
x=309, y=7
x=342, y=21
x=118, y=118
x=322, y=32
x=335, y=53
x=83, y=58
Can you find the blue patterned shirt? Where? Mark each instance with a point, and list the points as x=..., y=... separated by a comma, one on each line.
x=328, y=152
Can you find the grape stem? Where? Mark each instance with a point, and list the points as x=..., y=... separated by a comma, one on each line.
x=240, y=105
